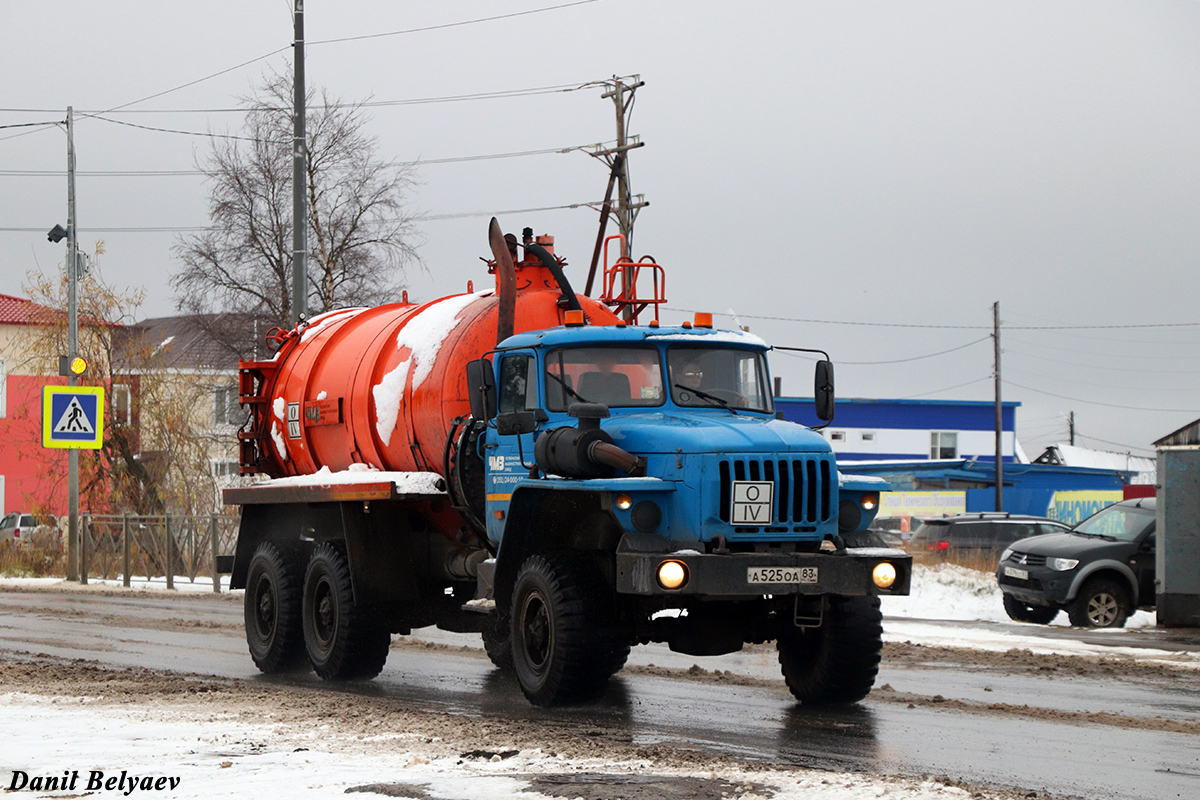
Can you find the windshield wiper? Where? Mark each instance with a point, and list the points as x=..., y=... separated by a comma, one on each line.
x=568, y=389
x=707, y=396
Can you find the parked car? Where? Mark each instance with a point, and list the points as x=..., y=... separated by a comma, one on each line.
x=29, y=530
x=1100, y=571
x=975, y=539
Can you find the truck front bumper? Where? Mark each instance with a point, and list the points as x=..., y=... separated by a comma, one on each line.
x=853, y=572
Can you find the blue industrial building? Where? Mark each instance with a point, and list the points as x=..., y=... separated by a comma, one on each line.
x=948, y=445
x=911, y=429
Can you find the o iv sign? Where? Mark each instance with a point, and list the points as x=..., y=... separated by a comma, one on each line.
x=751, y=502
x=73, y=416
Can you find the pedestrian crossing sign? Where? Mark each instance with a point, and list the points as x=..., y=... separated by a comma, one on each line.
x=73, y=416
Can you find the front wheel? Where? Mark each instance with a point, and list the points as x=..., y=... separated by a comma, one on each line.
x=1101, y=603
x=272, y=611
x=343, y=641
x=559, y=649
x=1023, y=612
x=838, y=661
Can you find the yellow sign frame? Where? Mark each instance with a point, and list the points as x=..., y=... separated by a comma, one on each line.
x=60, y=440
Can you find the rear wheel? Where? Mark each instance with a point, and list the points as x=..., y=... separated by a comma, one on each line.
x=561, y=653
x=838, y=661
x=1023, y=612
x=497, y=643
x=343, y=641
x=272, y=611
x=1101, y=603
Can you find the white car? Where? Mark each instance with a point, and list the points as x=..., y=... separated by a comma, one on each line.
x=29, y=530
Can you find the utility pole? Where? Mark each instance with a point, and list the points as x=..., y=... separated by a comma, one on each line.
x=999, y=411
x=72, y=350
x=626, y=209
x=299, y=163
x=1071, y=427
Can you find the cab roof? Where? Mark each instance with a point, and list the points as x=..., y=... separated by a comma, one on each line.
x=618, y=334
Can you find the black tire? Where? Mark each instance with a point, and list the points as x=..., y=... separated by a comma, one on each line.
x=1101, y=603
x=343, y=641
x=1023, y=612
x=560, y=649
x=837, y=662
x=497, y=643
x=272, y=611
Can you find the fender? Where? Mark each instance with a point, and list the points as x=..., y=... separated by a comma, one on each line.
x=1109, y=565
x=549, y=519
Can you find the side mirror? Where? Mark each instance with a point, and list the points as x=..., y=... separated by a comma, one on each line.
x=481, y=388
x=518, y=422
x=823, y=391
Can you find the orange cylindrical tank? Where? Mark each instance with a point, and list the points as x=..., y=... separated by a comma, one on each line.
x=380, y=386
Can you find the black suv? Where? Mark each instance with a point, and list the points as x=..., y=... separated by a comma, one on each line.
x=1100, y=571
x=973, y=538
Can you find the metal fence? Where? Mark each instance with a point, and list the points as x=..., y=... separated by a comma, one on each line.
x=152, y=546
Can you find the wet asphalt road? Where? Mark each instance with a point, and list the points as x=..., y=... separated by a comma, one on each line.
x=756, y=722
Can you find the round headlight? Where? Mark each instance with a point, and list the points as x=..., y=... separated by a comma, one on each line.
x=884, y=575
x=672, y=574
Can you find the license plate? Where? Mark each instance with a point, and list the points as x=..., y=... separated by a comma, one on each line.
x=781, y=575
x=1019, y=574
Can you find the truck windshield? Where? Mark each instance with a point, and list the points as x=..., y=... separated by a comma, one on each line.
x=727, y=377
x=614, y=376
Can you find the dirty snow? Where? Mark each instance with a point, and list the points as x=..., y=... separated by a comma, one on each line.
x=220, y=748
x=388, y=395
x=433, y=326
x=405, y=482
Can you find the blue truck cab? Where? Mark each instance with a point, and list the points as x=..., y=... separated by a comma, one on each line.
x=639, y=487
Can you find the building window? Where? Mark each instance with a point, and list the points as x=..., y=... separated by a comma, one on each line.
x=943, y=445
x=226, y=410
x=837, y=436
x=223, y=468
x=3, y=389
x=868, y=436
x=122, y=404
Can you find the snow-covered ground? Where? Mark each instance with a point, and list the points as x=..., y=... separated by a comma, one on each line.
x=207, y=751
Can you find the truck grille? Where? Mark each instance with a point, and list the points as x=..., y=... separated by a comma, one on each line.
x=803, y=486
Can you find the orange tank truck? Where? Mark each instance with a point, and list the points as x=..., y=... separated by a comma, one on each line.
x=379, y=386
x=531, y=465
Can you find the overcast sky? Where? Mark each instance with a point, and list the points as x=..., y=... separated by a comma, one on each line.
x=868, y=178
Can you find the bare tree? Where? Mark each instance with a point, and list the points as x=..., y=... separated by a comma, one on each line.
x=359, y=233
x=157, y=447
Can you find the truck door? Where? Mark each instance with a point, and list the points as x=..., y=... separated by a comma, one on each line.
x=517, y=391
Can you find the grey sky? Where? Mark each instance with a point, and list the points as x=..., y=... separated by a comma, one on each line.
x=902, y=163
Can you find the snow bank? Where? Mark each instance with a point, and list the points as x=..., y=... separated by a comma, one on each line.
x=405, y=482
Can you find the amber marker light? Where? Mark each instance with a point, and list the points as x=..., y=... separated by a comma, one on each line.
x=573, y=318
x=672, y=574
x=869, y=502
x=623, y=502
x=884, y=575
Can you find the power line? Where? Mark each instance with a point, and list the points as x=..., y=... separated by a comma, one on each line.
x=421, y=218
x=1097, y=403
x=345, y=39
x=947, y=389
x=185, y=133
x=49, y=173
x=453, y=98
x=452, y=24
x=946, y=327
